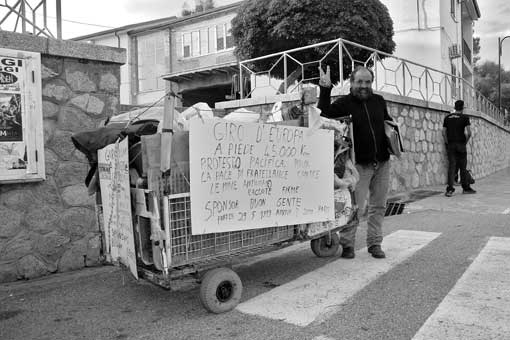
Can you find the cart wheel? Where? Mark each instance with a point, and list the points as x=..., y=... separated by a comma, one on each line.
x=325, y=246
x=220, y=290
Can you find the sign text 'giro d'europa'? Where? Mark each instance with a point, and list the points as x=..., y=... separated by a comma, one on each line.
x=249, y=175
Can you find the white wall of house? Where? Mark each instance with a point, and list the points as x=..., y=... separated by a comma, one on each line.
x=424, y=31
x=451, y=34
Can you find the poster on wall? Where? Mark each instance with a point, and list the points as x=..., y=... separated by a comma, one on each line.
x=250, y=175
x=13, y=155
x=11, y=124
x=113, y=166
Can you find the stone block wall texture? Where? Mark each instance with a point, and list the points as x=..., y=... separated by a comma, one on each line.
x=50, y=226
x=424, y=163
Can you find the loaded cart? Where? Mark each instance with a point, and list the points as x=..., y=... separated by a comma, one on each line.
x=192, y=203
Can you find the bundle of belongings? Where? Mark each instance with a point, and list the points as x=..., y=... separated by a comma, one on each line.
x=345, y=174
x=134, y=124
x=345, y=179
x=89, y=142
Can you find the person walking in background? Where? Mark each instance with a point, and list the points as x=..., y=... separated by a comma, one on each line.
x=368, y=111
x=456, y=134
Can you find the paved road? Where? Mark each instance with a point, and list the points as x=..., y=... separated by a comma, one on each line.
x=447, y=276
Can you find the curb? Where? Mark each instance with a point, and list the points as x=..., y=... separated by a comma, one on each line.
x=53, y=280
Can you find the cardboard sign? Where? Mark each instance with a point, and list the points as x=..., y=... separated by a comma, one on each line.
x=249, y=175
x=113, y=165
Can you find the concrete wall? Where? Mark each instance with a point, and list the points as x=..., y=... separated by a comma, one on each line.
x=50, y=226
x=424, y=163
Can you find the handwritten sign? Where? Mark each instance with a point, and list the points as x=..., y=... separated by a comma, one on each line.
x=113, y=165
x=249, y=176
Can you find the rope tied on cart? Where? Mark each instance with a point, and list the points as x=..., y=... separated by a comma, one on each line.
x=169, y=93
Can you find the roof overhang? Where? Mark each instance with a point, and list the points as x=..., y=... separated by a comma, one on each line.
x=157, y=24
x=226, y=68
x=143, y=26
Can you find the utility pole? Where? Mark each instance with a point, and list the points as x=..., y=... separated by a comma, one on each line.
x=500, y=52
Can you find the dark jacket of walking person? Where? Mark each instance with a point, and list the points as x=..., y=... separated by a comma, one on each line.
x=456, y=134
x=368, y=111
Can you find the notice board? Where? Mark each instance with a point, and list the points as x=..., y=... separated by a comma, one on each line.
x=251, y=175
x=21, y=128
x=113, y=166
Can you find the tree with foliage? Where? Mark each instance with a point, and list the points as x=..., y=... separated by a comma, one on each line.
x=185, y=11
x=487, y=82
x=486, y=77
x=200, y=6
x=263, y=27
x=476, y=50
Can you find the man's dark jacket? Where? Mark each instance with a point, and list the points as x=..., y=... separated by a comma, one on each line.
x=368, y=118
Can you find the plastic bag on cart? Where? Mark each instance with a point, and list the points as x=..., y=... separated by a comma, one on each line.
x=243, y=115
x=196, y=111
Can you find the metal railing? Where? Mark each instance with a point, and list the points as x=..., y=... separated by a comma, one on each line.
x=30, y=17
x=288, y=71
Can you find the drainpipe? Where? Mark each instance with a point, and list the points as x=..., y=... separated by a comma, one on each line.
x=116, y=34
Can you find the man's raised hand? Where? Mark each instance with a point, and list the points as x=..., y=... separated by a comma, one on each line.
x=325, y=78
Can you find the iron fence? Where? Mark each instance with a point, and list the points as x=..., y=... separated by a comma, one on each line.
x=31, y=17
x=287, y=71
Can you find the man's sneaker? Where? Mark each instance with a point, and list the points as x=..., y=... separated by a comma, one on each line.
x=376, y=251
x=347, y=253
x=449, y=193
x=469, y=191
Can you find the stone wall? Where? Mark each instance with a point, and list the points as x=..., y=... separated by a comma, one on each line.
x=50, y=226
x=424, y=163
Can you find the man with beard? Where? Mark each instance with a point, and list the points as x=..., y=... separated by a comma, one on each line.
x=368, y=111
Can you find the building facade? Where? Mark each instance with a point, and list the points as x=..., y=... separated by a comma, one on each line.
x=192, y=55
x=436, y=33
x=202, y=61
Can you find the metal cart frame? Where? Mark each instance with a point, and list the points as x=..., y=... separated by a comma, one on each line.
x=184, y=256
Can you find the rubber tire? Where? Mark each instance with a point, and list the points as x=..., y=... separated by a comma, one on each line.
x=209, y=290
x=321, y=248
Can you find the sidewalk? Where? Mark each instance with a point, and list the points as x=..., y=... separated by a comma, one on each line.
x=492, y=197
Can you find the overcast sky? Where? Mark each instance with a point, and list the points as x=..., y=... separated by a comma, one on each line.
x=495, y=20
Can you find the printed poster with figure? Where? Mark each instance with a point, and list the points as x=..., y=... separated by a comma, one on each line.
x=12, y=143
x=113, y=167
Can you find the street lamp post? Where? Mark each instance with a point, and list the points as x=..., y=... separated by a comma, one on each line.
x=500, y=51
